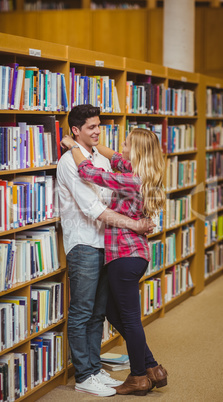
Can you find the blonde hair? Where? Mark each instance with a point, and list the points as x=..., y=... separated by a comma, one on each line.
x=147, y=163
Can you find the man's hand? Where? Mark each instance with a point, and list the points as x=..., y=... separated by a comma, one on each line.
x=144, y=226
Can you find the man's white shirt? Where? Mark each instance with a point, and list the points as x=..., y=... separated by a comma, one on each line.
x=81, y=203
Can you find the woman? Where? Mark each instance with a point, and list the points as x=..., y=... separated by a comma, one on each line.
x=138, y=191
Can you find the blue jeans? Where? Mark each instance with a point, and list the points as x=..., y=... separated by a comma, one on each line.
x=88, y=298
x=124, y=312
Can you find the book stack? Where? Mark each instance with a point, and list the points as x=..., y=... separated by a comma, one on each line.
x=115, y=361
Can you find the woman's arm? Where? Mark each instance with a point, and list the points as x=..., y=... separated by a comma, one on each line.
x=68, y=142
x=105, y=151
x=124, y=183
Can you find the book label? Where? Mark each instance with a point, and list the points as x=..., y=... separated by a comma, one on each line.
x=35, y=52
x=99, y=63
x=148, y=72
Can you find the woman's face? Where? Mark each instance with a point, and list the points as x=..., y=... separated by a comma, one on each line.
x=126, y=148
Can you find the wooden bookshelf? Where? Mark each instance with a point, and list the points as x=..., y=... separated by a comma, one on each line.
x=90, y=63
x=77, y=4
x=54, y=57
x=213, y=88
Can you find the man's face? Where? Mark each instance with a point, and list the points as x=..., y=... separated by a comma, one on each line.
x=88, y=135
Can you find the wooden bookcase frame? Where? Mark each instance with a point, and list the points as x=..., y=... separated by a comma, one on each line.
x=61, y=58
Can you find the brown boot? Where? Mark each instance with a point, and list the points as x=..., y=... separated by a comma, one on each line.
x=157, y=375
x=136, y=385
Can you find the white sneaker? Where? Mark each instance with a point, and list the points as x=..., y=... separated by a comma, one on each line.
x=106, y=379
x=93, y=386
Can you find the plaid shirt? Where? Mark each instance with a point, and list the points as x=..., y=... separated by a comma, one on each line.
x=126, y=200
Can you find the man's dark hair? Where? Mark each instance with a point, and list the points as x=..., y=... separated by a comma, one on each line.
x=79, y=114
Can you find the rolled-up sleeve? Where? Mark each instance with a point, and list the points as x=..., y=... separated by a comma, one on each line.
x=118, y=163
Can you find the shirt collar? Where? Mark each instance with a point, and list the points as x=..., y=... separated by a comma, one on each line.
x=86, y=153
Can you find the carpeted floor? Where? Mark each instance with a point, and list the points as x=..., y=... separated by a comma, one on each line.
x=188, y=342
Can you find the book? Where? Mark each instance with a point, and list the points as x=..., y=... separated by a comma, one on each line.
x=115, y=366
x=49, y=124
x=114, y=358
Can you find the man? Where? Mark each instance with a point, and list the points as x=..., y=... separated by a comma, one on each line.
x=84, y=212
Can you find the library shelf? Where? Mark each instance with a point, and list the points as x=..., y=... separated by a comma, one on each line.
x=30, y=226
x=178, y=299
x=26, y=170
x=186, y=222
x=214, y=275
x=33, y=336
x=191, y=152
x=43, y=55
x=151, y=275
x=23, y=285
x=89, y=63
x=177, y=190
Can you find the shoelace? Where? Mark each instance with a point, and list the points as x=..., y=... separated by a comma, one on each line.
x=96, y=381
x=103, y=372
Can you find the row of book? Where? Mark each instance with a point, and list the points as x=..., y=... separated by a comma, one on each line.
x=46, y=357
x=149, y=98
x=180, y=102
x=13, y=376
x=177, y=280
x=47, y=305
x=30, y=88
x=213, y=165
x=170, y=248
x=108, y=331
x=214, y=135
x=32, y=143
x=7, y=5
x=156, y=251
x=152, y=296
x=180, y=174
x=27, y=200
x=46, y=5
x=180, y=138
x=145, y=98
x=111, y=135
x=213, y=230
x=213, y=260
x=158, y=129
x=213, y=198
x=98, y=90
x=158, y=221
x=187, y=240
x=214, y=102
x=178, y=210
x=13, y=328
x=31, y=255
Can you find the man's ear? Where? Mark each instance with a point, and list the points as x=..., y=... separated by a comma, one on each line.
x=75, y=131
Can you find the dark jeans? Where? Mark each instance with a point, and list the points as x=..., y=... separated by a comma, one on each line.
x=123, y=310
x=88, y=298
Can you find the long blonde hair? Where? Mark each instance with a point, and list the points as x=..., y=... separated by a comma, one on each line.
x=148, y=163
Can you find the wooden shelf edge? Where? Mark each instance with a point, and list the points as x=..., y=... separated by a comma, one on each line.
x=30, y=226
x=22, y=285
x=213, y=276
x=32, y=336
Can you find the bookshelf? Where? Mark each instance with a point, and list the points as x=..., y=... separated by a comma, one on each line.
x=183, y=131
x=28, y=5
x=213, y=178
x=28, y=274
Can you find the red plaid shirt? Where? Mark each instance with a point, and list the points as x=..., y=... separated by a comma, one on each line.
x=126, y=200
